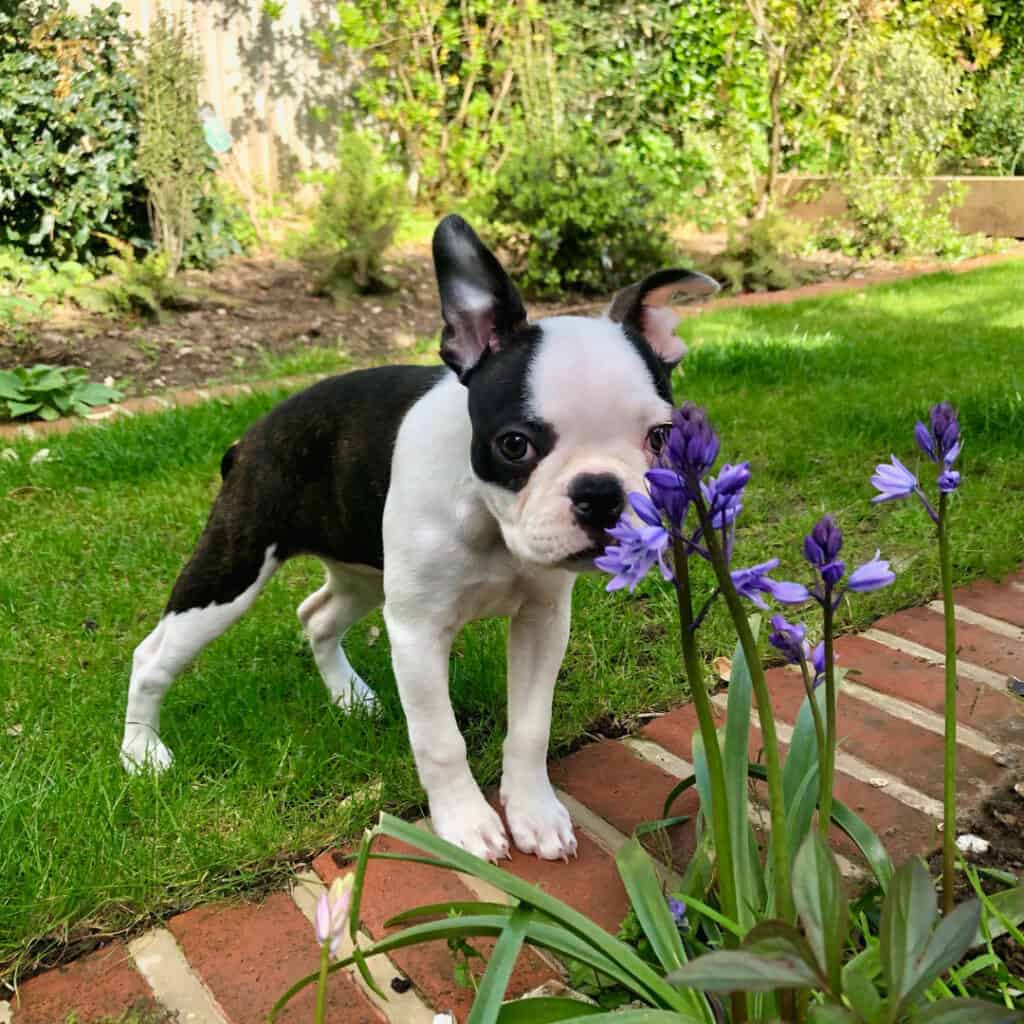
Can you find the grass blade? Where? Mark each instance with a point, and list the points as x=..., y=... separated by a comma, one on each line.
x=436, y=910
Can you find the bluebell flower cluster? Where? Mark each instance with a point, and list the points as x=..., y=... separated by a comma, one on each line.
x=673, y=488
x=941, y=442
x=821, y=549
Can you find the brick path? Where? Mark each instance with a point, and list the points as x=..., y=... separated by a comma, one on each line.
x=225, y=964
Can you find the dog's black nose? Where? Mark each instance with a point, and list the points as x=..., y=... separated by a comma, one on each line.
x=597, y=499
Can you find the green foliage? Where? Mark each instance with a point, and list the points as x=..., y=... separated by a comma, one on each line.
x=132, y=285
x=48, y=392
x=899, y=217
x=68, y=130
x=222, y=228
x=361, y=205
x=888, y=982
x=28, y=286
x=172, y=155
x=436, y=76
x=572, y=216
x=998, y=120
x=754, y=259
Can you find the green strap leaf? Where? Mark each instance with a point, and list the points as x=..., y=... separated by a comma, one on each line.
x=491, y=993
x=866, y=841
x=736, y=971
x=1007, y=907
x=821, y=906
x=908, y=916
x=449, y=909
x=649, y=905
x=546, y=1010
x=949, y=942
x=968, y=1011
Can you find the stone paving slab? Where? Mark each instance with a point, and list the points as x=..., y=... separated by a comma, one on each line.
x=888, y=771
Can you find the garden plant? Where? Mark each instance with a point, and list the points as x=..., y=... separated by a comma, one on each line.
x=775, y=937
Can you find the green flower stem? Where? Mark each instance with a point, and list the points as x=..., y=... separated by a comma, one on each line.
x=766, y=717
x=949, y=766
x=713, y=752
x=321, y=986
x=829, y=765
x=819, y=725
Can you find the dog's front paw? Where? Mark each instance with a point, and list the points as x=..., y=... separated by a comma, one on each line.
x=472, y=824
x=538, y=822
x=142, y=750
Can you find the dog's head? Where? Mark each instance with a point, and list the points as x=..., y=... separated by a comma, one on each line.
x=568, y=412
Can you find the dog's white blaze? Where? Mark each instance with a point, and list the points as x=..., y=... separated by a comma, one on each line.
x=164, y=654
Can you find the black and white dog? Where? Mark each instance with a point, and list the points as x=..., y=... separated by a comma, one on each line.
x=446, y=494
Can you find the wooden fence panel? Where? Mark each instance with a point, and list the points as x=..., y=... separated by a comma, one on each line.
x=263, y=78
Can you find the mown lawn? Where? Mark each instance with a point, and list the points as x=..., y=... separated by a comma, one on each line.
x=814, y=394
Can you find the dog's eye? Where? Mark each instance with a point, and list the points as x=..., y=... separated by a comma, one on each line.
x=657, y=437
x=514, y=447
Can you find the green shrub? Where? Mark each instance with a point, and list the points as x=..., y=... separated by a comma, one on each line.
x=48, y=392
x=68, y=130
x=998, y=120
x=222, y=227
x=755, y=258
x=362, y=203
x=131, y=285
x=574, y=216
x=172, y=153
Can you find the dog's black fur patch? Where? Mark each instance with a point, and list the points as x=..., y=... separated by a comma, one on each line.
x=309, y=477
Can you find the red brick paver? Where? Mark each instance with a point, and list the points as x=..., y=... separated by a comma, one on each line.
x=249, y=954
x=394, y=886
x=974, y=643
x=102, y=984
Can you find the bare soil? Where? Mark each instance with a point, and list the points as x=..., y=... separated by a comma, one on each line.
x=233, y=319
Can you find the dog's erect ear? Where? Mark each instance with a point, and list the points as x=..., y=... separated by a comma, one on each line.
x=645, y=307
x=480, y=305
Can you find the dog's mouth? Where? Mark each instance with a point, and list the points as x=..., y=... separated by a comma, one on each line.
x=584, y=558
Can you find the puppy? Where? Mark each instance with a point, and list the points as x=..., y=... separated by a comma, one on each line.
x=449, y=493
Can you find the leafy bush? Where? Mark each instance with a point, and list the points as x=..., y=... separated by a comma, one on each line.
x=755, y=258
x=362, y=203
x=48, y=392
x=132, y=285
x=998, y=120
x=27, y=286
x=573, y=216
x=172, y=154
x=68, y=130
x=222, y=228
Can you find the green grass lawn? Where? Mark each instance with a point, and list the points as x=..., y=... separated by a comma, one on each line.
x=813, y=393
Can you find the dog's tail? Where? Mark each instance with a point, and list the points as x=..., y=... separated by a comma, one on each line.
x=228, y=460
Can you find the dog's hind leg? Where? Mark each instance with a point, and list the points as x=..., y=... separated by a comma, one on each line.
x=214, y=590
x=350, y=593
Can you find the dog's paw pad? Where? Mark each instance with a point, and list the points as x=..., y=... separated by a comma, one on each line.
x=540, y=825
x=144, y=751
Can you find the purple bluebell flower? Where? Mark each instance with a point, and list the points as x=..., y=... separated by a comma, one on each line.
x=753, y=582
x=692, y=443
x=818, y=659
x=824, y=542
x=677, y=908
x=872, y=575
x=949, y=481
x=638, y=549
x=789, y=638
x=645, y=509
x=722, y=494
x=821, y=546
x=893, y=481
x=669, y=494
x=940, y=440
x=787, y=592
